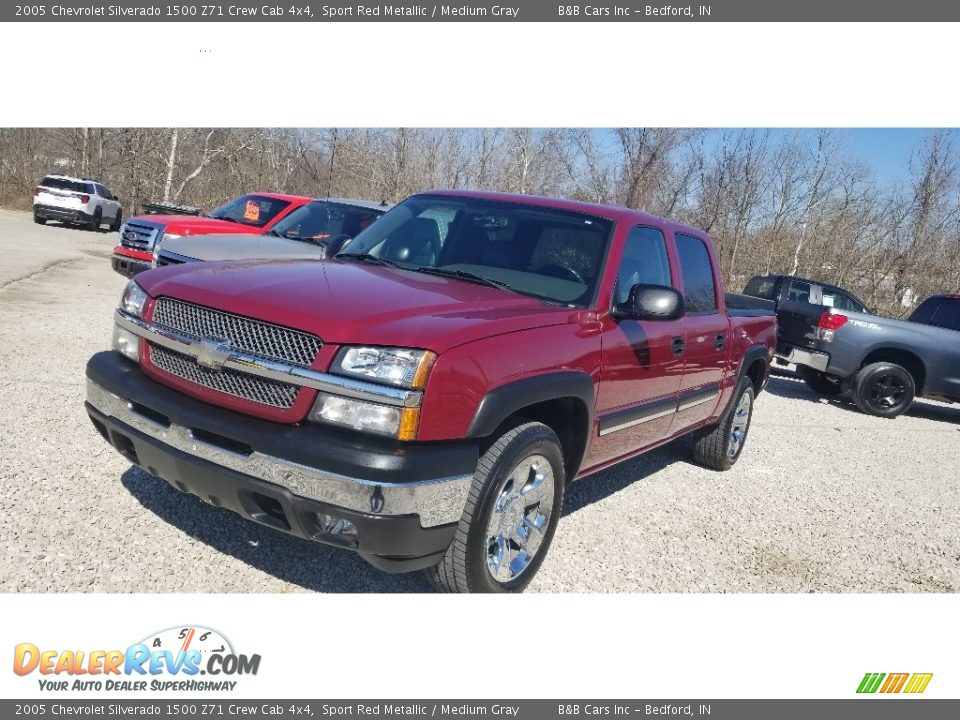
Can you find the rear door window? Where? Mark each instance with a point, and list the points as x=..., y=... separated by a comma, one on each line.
x=699, y=288
x=840, y=300
x=799, y=291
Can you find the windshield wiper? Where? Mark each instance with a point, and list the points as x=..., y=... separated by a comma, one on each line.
x=276, y=233
x=443, y=272
x=367, y=257
x=463, y=275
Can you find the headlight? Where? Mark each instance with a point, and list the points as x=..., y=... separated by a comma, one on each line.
x=133, y=299
x=393, y=366
x=132, y=302
x=167, y=236
x=397, y=422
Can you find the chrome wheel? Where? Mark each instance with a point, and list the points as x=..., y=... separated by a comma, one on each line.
x=738, y=427
x=519, y=518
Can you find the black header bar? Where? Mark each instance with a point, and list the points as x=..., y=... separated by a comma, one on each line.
x=508, y=11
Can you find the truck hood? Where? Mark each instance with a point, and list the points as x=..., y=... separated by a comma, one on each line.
x=242, y=247
x=195, y=225
x=346, y=302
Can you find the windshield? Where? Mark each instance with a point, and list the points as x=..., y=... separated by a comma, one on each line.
x=550, y=254
x=321, y=220
x=252, y=210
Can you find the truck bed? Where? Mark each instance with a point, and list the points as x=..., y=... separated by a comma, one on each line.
x=746, y=306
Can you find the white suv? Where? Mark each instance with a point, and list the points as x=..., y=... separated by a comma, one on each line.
x=75, y=200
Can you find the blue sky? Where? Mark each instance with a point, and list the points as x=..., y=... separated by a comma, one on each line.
x=886, y=150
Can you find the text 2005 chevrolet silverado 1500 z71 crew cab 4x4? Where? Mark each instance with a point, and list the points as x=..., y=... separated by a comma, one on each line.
x=251, y=214
x=425, y=396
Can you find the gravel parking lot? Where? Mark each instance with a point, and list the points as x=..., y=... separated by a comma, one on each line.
x=824, y=499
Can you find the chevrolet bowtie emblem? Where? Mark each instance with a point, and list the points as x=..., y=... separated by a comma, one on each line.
x=213, y=353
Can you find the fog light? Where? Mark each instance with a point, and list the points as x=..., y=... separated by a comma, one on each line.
x=126, y=343
x=360, y=415
x=334, y=527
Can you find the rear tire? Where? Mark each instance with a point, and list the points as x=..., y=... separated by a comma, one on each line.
x=719, y=448
x=884, y=390
x=510, y=516
x=117, y=222
x=819, y=382
x=97, y=219
x=39, y=220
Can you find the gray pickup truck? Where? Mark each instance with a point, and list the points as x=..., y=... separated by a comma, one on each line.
x=311, y=232
x=885, y=363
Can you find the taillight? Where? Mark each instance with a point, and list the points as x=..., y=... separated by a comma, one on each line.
x=36, y=191
x=84, y=199
x=831, y=321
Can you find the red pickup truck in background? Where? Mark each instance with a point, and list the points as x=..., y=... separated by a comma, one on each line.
x=425, y=396
x=250, y=214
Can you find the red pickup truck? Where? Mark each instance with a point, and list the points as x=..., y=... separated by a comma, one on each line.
x=425, y=396
x=251, y=214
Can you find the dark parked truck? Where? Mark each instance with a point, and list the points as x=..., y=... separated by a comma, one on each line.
x=885, y=363
x=424, y=397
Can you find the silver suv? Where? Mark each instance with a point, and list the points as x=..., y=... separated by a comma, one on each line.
x=79, y=201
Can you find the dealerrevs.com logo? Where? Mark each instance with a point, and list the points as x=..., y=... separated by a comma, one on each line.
x=178, y=659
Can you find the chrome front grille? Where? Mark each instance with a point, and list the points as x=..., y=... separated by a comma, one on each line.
x=251, y=336
x=241, y=385
x=138, y=236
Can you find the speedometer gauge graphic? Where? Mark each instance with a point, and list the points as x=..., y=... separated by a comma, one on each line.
x=191, y=637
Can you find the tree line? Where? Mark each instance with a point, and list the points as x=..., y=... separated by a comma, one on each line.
x=793, y=202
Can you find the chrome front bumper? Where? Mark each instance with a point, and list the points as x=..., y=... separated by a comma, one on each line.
x=437, y=502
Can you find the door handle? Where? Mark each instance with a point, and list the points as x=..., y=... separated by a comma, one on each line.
x=720, y=341
x=677, y=345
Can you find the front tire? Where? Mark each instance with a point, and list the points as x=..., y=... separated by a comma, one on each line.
x=884, y=390
x=510, y=516
x=819, y=382
x=719, y=448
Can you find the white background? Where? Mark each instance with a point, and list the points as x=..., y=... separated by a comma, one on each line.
x=500, y=74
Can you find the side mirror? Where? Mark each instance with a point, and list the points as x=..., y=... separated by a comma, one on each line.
x=336, y=244
x=651, y=302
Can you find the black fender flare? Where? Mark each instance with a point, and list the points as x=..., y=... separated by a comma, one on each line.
x=506, y=400
x=753, y=353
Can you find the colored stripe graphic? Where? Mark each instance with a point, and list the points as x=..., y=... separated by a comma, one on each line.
x=870, y=682
x=894, y=683
x=918, y=683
